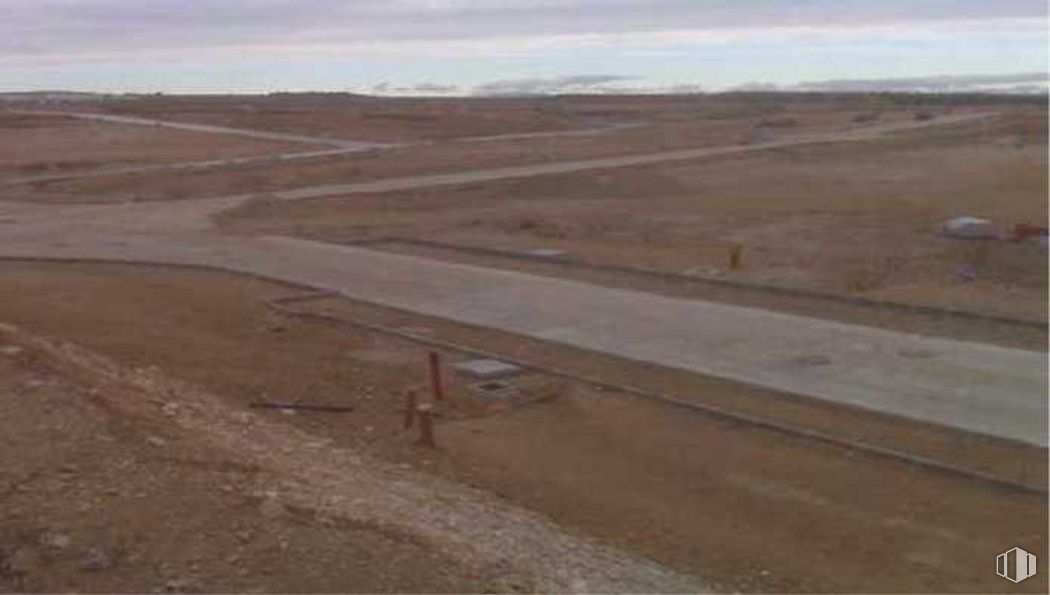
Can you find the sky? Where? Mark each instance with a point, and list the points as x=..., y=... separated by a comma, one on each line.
x=514, y=46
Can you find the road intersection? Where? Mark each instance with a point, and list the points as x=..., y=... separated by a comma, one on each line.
x=985, y=389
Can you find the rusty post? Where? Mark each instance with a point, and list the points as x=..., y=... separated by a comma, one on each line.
x=410, y=408
x=735, y=252
x=435, y=376
x=426, y=425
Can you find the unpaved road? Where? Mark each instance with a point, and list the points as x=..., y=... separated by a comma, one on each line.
x=980, y=388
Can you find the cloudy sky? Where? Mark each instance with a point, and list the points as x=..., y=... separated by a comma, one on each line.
x=507, y=46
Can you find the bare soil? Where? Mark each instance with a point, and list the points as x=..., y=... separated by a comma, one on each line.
x=165, y=478
x=404, y=119
x=742, y=508
x=632, y=125
x=857, y=218
x=640, y=137
x=34, y=144
x=720, y=285
x=92, y=500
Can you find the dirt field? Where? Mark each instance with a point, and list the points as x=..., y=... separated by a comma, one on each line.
x=666, y=133
x=433, y=119
x=711, y=286
x=862, y=218
x=742, y=508
x=94, y=500
x=133, y=459
x=35, y=144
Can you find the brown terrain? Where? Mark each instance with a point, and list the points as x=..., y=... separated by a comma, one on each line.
x=863, y=219
x=35, y=144
x=135, y=461
x=646, y=126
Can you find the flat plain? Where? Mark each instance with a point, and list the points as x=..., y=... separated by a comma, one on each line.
x=588, y=471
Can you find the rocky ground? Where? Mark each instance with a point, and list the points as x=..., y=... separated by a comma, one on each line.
x=131, y=460
x=122, y=480
x=744, y=509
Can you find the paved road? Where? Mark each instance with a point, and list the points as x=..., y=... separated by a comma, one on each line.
x=344, y=147
x=325, y=140
x=606, y=163
x=260, y=134
x=284, y=158
x=571, y=133
x=985, y=389
x=188, y=166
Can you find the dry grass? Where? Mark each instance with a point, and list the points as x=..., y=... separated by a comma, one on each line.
x=664, y=123
x=416, y=119
x=861, y=218
x=446, y=157
x=31, y=144
x=742, y=508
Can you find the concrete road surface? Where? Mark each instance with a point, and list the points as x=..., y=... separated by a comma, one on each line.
x=985, y=389
x=343, y=147
x=982, y=388
x=564, y=167
x=260, y=134
x=180, y=166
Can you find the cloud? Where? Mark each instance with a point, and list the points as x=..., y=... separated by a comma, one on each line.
x=434, y=88
x=79, y=29
x=1022, y=83
x=417, y=89
x=585, y=83
x=264, y=45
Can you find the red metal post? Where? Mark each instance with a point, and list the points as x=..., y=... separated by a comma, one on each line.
x=735, y=252
x=435, y=376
